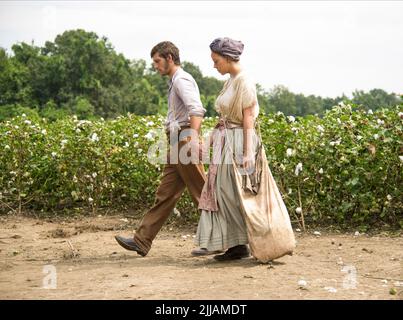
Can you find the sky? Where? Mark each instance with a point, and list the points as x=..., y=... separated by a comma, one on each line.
x=325, y=48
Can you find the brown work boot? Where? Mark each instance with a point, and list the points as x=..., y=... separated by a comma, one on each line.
x=129, y=244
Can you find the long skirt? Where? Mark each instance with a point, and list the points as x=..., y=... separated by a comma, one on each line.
x=226, y=228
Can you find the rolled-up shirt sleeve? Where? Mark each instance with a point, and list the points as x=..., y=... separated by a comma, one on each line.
x=189, y=93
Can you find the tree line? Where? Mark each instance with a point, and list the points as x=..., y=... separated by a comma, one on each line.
x=81, y=73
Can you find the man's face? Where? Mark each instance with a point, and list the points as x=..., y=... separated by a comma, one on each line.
x=161, y=64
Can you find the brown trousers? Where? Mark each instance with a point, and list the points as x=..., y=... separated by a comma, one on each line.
x=174, y=179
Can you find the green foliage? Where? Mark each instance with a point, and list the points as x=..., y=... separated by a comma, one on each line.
x=51, y=112
x=351, y=164
x=374, y=98
x=81, y=73
x=74, y=163
x=78, y=73
x=81, y=107
x=11, y=110
x=209, y=87
x=281, y=99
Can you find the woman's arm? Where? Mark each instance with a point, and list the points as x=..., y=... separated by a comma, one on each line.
x=248, y=154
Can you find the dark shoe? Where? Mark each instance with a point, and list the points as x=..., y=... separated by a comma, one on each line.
x=234, y=253
x=203, y=252
x=129, y=244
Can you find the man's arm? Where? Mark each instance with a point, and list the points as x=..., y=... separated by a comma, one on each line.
x=190, y=97
x=195, y=123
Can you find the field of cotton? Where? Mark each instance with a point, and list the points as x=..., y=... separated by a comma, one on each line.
x=343, y=168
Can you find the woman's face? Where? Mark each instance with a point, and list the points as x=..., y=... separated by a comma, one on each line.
x=220, y=63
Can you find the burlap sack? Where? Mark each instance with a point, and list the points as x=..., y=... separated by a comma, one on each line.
x=268, y=223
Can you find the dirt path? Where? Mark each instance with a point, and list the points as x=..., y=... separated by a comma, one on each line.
x=89, y=264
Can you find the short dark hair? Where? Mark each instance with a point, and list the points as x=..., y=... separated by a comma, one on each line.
x=166, y=48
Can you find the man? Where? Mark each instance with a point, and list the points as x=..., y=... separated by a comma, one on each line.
x=185, y=111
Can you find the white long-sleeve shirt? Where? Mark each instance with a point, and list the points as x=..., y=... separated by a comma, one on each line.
x=183, y=100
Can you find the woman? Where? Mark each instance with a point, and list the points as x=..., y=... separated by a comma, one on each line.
x=240, y=203
x=221, y=224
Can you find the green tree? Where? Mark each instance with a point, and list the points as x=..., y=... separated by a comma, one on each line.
x=283, y=100
x=11, y=110
x=263, y=98
x=194, y=71
x=308, y=105
x=52, y=112
x=82, y=108
x=374, y=99
x=14, y=77
x=80, y=72
x=146, y=100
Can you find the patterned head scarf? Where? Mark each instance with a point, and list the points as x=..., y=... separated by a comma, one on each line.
x=227, y=47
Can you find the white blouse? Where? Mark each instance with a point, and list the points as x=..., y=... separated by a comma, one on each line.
x=225, y=98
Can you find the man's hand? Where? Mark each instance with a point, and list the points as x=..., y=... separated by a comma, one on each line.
x=196, y=143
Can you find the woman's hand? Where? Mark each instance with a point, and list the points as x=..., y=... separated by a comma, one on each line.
x=204, y=151
x=248, y=163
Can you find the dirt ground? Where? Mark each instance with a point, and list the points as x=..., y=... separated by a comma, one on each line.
x=79, y=259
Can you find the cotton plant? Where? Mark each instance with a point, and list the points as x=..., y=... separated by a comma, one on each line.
x=343, y=167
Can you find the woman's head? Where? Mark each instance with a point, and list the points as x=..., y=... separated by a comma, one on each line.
x=225, y=52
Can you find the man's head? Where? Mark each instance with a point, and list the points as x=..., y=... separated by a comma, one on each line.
x=165, y=57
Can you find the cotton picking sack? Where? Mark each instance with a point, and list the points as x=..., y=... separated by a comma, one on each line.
x=268, y=224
